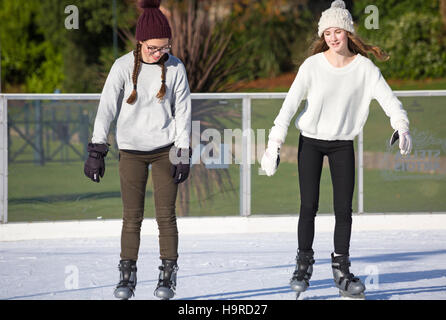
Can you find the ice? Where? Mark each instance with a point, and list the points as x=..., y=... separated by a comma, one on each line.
x=394, y=264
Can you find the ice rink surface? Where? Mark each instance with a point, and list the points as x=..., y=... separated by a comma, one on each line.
x=394, y=264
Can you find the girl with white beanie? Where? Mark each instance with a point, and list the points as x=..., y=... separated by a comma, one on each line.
x=338, y=82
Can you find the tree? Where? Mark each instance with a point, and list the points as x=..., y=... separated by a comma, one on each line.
x=26, y=56
x=443, y=12
x=411, y=31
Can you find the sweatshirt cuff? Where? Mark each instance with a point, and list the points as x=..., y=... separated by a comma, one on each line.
x=402, y=126
x=277, y=135
x=182, y=143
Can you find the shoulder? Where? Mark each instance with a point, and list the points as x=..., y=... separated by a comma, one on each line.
x=175, y=63
x=125, y=60
x=370, y=68
x=311, y=61
x=124, y=63
x=367, y=63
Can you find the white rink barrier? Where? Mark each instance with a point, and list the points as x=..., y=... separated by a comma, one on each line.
x=218, y=225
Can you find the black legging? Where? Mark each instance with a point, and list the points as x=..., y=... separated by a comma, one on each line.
x=341, y=158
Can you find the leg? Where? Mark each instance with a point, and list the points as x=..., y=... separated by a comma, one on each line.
x=342, y=169
x=310, y=161
x=165, y=191
x=133, y=174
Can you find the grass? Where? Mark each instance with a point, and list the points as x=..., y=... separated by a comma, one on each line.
x=61, y=192
x=426, y=115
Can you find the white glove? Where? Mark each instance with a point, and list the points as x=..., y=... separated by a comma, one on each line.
x=405, y=143
x=271, y=158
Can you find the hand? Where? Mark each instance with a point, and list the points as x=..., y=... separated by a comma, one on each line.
x=271, y=159
x=94, y=166
x=180, y=171
x=405, y=143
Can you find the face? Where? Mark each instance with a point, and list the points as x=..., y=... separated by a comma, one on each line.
x=336, y=39
x=153, y=49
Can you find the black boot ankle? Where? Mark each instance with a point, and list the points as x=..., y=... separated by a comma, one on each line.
x=127, y=280
x=167, y=279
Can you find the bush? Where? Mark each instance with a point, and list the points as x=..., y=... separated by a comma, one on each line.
x=412, y=33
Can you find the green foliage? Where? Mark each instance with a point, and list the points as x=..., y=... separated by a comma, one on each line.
x=268, y=32
x=21, y=41
x=40, y=55
x=48, y=76
x=269, y=37
x=412, y=32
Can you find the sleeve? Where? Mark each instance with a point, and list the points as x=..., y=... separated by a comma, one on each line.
x=108, y=104
x=183, y=109
x=388, y=101
x=295, y=95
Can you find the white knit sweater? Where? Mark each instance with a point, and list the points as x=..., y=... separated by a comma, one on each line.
x=337, y=100
x=148, y=123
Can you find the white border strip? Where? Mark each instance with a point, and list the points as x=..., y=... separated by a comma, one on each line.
x=219, y=225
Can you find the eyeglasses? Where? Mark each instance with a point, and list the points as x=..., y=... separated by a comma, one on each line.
x=153, y=49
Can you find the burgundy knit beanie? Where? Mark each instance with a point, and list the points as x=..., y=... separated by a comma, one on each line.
x=152, y=23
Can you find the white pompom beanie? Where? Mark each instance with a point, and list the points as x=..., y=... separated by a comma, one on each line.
x=336, y=16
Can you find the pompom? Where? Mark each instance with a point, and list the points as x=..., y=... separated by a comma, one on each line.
x=338, y=4
x=149, y=3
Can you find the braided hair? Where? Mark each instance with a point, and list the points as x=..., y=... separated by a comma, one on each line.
x=137, y=65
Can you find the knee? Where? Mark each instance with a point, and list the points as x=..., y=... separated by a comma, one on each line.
x=344, y=218
x=166, y=218
x=132, y=224
x=308, y=210
x=343, y=211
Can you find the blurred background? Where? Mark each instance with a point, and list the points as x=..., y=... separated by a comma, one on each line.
x=255, y=40
x=226, y=46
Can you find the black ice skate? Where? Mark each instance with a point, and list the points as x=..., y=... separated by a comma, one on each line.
x=349, y=286
x=167, y=280
x=302, y=275
x=127, y=282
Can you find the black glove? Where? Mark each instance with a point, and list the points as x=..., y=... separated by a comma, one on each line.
x=180, y=171
x=94, y=166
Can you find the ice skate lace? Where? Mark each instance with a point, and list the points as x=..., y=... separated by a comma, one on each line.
x=168, y=281
x=301, y=270
x=348, y=276
x=126, y=282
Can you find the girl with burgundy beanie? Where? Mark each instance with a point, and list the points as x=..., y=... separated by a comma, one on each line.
x=154, y=122
x=338, y=82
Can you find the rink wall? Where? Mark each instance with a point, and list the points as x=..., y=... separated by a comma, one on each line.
x=218, y=225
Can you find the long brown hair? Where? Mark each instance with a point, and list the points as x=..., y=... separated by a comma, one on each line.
x=136, y=66
x=355, y=45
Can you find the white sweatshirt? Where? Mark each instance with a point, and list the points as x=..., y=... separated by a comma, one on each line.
x=337, y=100
x=148, y=123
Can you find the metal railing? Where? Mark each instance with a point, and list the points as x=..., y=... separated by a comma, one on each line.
x=245, y=166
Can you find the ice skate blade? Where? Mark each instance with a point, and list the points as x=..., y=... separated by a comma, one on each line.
x=346, y=296
x=164, y=293
x=299, y=296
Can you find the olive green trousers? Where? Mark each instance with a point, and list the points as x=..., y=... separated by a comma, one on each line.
x=134, y=173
